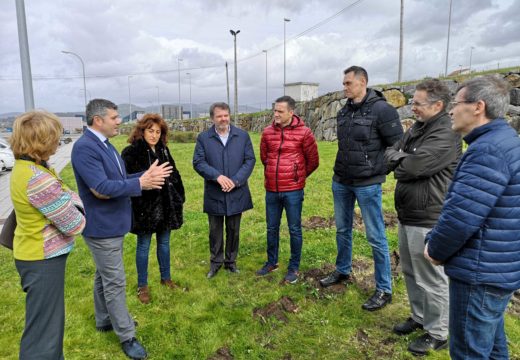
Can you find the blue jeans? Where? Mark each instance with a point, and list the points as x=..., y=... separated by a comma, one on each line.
x=477, y=321
x=369, y=199
x=275, y=203
x=163, y=256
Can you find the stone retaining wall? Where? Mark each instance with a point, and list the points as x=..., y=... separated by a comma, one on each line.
x=320, y=113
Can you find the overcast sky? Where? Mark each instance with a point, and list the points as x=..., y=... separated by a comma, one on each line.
x=144, y=39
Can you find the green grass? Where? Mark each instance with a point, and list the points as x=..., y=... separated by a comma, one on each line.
x=192, y=323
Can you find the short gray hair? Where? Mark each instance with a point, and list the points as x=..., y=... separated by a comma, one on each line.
x=435, y=90
x=98, y=107
x=491, y=89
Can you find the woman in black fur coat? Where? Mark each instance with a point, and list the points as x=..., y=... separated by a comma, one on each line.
x=155, y=211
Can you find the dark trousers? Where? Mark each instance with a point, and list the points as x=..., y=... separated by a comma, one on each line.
x=216, y=239
x=44, y=283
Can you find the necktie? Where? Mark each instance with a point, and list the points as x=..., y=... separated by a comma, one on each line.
x=113, y=150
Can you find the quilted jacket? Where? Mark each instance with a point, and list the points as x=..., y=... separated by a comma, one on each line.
x=478, y=233
x=289, y=155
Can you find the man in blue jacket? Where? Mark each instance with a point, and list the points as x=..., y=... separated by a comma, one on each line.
x=224, y=157
x=105, y=189
x=477, y=237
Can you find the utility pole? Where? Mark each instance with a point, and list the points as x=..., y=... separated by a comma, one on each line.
x=227, y=83
x=235, y=33
x=470, y=56
x=285, y=21
x=129, y=99
x=448, y=43
x=265, y=51
x=400, y=73
x=179, y=78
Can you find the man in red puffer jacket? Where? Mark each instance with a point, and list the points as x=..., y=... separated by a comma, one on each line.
x=289, y=153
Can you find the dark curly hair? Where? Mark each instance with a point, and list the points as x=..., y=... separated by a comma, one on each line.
x=147, y=122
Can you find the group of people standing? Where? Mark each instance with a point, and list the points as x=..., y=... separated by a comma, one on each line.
x=465, y=208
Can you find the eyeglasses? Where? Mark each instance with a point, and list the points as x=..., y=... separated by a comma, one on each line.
x=418, y=104
x=455, y=103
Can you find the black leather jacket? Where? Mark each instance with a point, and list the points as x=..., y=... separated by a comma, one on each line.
x=365, y=130
x=423, y=162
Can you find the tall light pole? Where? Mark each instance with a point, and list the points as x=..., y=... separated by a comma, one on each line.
x=235, y=33
x=129, y=99
x=285, y=21
x=191, y=107
x=448, y=42
x=470, y=56
x=83, y=67
x=28, y=96
x=265, y=51
x=179, y=78
x=227, y=84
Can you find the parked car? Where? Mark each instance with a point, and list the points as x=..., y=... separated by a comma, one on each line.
x=6, y=157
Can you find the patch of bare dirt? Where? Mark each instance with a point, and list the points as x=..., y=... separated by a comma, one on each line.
x=374, y=347
x=514, y=307
x=390, y=219
x=277, y=309
x=287, y=356
x=362, y=275
x=318, y=222
x=222, y=354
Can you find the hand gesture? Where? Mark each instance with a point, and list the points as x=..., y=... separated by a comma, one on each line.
x=153, y=178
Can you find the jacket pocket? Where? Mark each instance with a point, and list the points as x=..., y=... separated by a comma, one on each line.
x=295, y=173
x=361, y=129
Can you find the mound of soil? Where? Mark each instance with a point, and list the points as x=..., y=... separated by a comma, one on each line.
x=277, y=309
x=514, y=306
x=222, y=354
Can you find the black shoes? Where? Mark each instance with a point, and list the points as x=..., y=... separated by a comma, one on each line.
x=423, y=344
x=333, y=278
x=232, y=268
x=212, y=272
x=133, y=349
x=407, y=327
x=377, y=301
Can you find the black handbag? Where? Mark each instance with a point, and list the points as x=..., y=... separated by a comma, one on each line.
x=7, y=234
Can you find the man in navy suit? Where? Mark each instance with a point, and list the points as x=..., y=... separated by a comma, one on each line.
x=105, y=189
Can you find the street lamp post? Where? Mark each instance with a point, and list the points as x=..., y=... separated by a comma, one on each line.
x=191, y=107
x=285, y=21
x=179, y=77
x=470, y=57
x=235, y=33
x=265, y=51
x=83, y=67
x=129, y=99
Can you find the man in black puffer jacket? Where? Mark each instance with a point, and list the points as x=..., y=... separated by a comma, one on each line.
x=423, y=162
x=367, y=125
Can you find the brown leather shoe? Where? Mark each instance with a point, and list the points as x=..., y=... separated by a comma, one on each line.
x=170, y=284
x=143, y=294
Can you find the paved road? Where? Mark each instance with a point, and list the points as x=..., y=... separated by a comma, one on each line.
x=58, y=161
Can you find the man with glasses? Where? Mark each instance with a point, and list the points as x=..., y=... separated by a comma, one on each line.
x=367, y=125
x=477, y=236
x=423, y=162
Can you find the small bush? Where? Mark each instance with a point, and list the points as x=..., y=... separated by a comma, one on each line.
x=183, y=136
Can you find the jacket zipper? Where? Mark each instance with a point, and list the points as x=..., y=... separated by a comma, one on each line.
x=278, y=160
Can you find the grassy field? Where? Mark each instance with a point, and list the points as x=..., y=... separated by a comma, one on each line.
x=229, y=316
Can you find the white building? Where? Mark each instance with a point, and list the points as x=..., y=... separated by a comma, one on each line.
x=302, y=91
